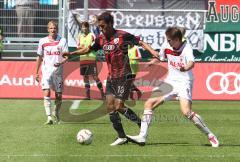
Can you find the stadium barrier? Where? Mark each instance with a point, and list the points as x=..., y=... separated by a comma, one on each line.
x=149, y=24
x=21, y=40
x=213, y=81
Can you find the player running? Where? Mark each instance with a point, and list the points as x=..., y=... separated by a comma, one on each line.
x=50, y=50
x=115, y=44
x=180, y=63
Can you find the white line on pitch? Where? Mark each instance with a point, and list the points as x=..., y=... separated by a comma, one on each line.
x=75, y=104
x=123, y=155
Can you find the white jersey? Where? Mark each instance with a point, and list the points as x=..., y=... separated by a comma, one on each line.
x=52, y=52
x=177, y=59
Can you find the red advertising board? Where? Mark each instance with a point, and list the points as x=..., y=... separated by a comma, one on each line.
x=216, y=81
x=213, y=81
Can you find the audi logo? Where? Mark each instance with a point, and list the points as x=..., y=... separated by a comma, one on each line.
x=224, y=83
x=108, y=47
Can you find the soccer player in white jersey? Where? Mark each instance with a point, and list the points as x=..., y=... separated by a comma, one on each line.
x=180, y=63
x=50, y=50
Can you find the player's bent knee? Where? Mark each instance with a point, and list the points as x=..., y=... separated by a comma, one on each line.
x=188, y=114
x=118, y=104
x=109, y=110
x=148, y=104
x=110, y=107
x=118, y=107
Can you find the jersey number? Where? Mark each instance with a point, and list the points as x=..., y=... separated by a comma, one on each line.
x=120, y=89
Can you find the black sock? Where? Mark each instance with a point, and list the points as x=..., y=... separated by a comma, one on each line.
x=100, y=87
x=131, y=115
x=99, y=84
x=117, y=125
x=87, y=88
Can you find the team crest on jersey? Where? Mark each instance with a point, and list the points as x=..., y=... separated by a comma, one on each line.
x=116, y=40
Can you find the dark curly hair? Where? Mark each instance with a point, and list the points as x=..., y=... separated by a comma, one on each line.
x=106, y=17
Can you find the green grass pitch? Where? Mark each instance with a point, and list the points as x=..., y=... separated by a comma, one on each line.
x=23, y=137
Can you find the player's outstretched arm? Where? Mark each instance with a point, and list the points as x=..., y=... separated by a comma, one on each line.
x=189, y=66
x=81, y=51
x=149, y=49
x=63, y=62
x=153, y=61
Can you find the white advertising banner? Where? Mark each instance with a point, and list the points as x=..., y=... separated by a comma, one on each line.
x=149, y=25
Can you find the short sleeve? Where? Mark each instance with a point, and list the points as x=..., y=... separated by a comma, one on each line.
x=189, y=54
x=138, y=54
x=133, y=40
x=65, y=46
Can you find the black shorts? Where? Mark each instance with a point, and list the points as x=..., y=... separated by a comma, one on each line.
x=119, y=87
x=88, y=69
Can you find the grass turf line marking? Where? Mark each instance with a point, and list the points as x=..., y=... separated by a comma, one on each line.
x=133, y=155
x=75, y=104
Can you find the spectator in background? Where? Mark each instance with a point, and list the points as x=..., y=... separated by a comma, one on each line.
x=88, y=64
x=94, y=26
x=26, y=12
x=1, y=42
x=134, y=57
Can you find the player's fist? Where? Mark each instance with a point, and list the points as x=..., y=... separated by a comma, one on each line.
x=66, y=54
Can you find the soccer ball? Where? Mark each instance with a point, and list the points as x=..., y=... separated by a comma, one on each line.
x=85, y=137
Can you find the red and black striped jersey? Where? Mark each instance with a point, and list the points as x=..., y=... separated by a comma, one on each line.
x=116, y=52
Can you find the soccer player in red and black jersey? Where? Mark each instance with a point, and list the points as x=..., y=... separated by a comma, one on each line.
x=115, y=44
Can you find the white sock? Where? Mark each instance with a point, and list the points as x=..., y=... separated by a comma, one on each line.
x=49, y=117
x=198, y=121
x=47, y=105
x=146, y=120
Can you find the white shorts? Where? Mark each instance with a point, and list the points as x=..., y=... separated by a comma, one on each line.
x=180, y=90
x=52, y=81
